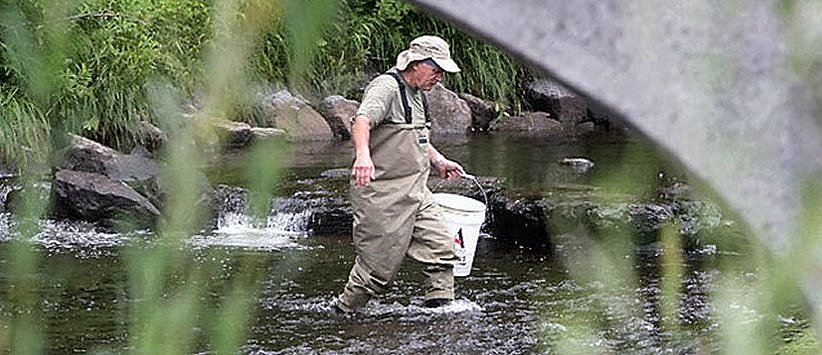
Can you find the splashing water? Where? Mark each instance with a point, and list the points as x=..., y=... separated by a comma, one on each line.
x=4, y=192
x=236, y=228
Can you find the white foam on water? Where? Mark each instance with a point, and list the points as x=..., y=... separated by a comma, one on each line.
x=259, y=239
x=235, y=227
x=66, y=235
x=291, y=222
x=247, y=237
x=458, y=306
x=239, y=230
x=374, y=308
x=5, y=229
x=82, y=238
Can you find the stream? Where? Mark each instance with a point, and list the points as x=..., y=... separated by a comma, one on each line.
x=515, y=301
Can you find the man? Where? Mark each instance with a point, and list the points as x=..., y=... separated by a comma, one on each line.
x=394, y=212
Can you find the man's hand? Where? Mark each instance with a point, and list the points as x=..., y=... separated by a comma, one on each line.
x=448, y=169
x=363, y=170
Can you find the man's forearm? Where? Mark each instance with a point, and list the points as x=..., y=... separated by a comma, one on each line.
x=360, y=135
x=433, y=155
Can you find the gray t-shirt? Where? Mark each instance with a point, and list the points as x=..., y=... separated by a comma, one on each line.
x=382, y=103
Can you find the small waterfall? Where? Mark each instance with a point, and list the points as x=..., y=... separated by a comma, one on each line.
x=233, y=208
x=4, y=193
x=5, y=228
x=290, y=215
x=287, y=216
x=234, y=226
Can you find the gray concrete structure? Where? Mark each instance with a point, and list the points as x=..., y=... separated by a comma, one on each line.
x=731, y=89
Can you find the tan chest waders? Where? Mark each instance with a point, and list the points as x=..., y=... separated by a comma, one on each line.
x=395, y=215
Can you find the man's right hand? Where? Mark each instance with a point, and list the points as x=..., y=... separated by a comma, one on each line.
x=363, y=170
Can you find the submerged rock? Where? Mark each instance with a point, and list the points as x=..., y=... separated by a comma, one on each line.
x=578, y=164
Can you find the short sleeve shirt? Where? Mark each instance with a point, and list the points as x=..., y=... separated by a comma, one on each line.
x=382, y=102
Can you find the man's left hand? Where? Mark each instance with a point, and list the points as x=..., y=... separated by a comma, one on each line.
x=448, y=169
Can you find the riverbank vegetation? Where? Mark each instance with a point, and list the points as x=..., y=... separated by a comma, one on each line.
x=89, y=67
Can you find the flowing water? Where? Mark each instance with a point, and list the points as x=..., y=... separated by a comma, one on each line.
x=515, y=300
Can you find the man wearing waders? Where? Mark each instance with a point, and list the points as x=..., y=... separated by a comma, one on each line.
x=394, y=212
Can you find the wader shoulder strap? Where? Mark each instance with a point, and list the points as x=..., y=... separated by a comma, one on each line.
x=405, y=106
x=425, y=108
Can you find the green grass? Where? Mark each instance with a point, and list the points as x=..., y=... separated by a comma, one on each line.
x=84, y=66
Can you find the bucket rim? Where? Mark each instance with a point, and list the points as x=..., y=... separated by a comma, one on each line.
x=470, y=200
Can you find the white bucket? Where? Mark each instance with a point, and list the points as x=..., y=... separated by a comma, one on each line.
x=464, y=217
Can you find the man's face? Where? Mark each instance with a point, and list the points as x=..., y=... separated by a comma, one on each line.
x=425, y=75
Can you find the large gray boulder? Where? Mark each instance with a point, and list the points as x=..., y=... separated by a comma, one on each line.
x=482, y=112
x=337, y=111
x=563, y=104
x=530, y=123
x=96, y=183
x=98, y=198
x=99, y=184
x=84, y=154
x=151, y=137
x=295, y=116
x=449, y=113
x=236, y=135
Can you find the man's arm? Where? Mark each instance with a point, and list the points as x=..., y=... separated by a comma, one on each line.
x=363, y=169
x=448, y=169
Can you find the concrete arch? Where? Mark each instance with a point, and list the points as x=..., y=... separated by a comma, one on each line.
x=731, y=89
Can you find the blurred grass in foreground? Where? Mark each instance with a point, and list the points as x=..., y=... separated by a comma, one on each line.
x=757, y=302
x=37, y=54
x=46, y=91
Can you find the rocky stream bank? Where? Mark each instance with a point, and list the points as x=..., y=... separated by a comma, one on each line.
x=95, y=183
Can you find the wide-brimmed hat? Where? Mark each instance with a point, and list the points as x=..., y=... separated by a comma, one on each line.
x=425, y=47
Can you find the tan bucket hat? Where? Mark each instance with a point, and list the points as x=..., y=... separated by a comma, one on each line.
x=425, y=47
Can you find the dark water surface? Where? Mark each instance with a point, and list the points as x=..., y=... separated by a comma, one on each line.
x=515, y=300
